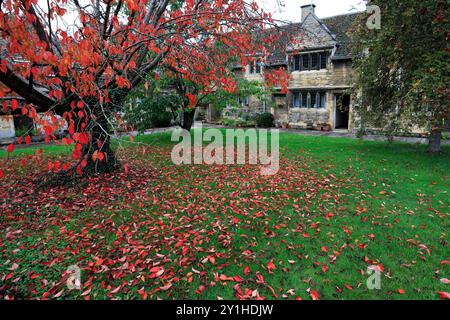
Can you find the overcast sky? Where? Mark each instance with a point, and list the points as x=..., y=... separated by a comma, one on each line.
x=290, y=9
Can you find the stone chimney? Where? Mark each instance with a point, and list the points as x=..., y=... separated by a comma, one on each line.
x=307, y=9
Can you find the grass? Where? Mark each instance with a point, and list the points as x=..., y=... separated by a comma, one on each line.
x=336, y=206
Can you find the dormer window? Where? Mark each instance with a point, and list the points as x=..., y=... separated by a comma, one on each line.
x=310, y=61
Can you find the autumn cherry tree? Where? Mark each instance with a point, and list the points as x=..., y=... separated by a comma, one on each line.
x=79, y=59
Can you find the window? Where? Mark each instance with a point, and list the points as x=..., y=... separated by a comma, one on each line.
x=255, y=66
x=297, y=63
x=314, y=61
x=258, y=66
x=322, y=100
x=296, y=99
x=308, y=99
x=323, y=60
x=304, y=100
x=305, y=61
x=310, y=61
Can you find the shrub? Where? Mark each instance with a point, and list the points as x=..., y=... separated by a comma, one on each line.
x=162, y=119
x=265, y=120
x=148, y=113
x=229, y=122
x=361, y=132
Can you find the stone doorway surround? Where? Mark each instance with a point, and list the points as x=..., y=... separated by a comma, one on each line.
x=341, y=117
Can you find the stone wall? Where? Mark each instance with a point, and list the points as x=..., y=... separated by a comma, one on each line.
x=337, y=75
x=308, y=118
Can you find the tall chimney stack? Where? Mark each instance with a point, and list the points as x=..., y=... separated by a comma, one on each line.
x=307, y=9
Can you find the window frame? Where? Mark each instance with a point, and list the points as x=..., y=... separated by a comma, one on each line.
x=311, y=99
x=304, y=61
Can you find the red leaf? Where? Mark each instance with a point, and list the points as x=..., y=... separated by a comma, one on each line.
x=13, y=267
x=314, y=295
x=166, y=287
x=142, y=293
x=10, y=148
x=349, y=287
x=2, y=173
x=270, y=266
x=85, y=293
x=238, y=279
x=247, y=270
x=401, y=291
x=58, y=294
x=34, y=276
x=260, y=278
x=14, y=104
x=444, y=295
x=225, y=278
x=324, y=268
x=116, y=290
x=155, y=269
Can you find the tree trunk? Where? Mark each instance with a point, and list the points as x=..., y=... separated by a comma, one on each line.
x=187, y=119
x=99, y=156
x=434, y=141
x=101, y=144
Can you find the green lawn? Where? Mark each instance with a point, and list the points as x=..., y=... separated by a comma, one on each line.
x=207, y=232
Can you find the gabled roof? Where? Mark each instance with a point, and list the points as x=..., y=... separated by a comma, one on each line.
x=340, y=26
x=337, y=27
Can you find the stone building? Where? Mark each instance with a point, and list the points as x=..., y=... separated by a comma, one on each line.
x=319, y=64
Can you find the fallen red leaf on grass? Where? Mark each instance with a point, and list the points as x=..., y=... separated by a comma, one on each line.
x=225, y=278
x=270, y=267
x=444, y=295
x=58, y=294
x=314, y=295
x=85, y=293
x=166, y=287
x=13, y=267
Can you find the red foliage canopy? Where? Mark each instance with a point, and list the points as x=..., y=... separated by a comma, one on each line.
x=79, y=58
